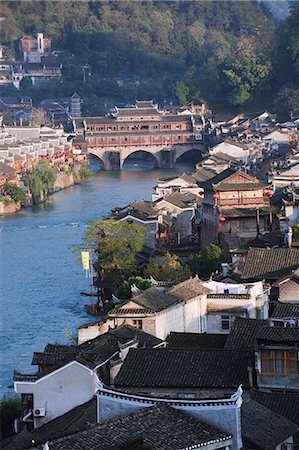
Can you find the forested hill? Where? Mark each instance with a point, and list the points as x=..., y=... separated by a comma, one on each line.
x=230, y=53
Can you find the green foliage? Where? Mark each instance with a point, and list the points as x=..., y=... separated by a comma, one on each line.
x=296, y=233
x=287, y=99
x=116, y=243
x=41, y=179
x=16, y=193
x=85, y=172
x=10, y=409
x=176, y=48
x=181, y=92
x=167, y=269
x=207, y=261
x=124, y=290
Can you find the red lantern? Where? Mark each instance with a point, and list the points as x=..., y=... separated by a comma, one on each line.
x=201, y=193
x=270, y=193
x=222, y=219
x=216, y=195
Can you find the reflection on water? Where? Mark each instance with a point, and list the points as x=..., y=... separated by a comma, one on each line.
x=40, y=281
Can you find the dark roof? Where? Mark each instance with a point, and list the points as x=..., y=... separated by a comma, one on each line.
x=181, y=368
x=196, y=341
x=71, y=422
x=154, y=299
x=278, y=334
x=243, y=333
x=284, y=403
x=286, y=311
x=158, y=427
x=231, y=213
x=241, y=186
x=181, y=200
x=5, y=169
x=90, y=353
x=270, y=263
x=219, y=177
x=188, y=289
x=264, y=428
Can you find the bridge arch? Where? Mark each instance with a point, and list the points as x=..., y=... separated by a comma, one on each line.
x=182, y=152
x=151, y=156
x=98, y=159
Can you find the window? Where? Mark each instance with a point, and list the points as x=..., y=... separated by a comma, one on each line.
x=279, y=362
x=137, y=324
x=227, y=322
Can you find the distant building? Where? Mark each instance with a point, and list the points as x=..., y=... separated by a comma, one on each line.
x=75, y=106
x=34, y=48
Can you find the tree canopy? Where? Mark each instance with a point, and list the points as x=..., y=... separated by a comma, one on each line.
x=116, y=243
x=207, y=261
x=168, y=268
x=230, y=53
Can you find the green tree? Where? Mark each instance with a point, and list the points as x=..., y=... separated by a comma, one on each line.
x=207, y=261
x=35, y=185
x=181, y=92
x=287, y=100
x=167, y=269
x=46, y=174
x=10, y=409
x=16, y=193
x=124, y=290
x=116, y=243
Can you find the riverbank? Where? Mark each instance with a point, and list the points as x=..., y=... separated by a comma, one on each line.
x=64, y=179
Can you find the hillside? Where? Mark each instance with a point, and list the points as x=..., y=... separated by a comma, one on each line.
x=225, y=52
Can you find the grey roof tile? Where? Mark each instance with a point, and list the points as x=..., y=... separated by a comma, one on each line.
x=181, y=368
x=263, y=427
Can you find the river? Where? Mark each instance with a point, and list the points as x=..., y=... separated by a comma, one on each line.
x=40, y=280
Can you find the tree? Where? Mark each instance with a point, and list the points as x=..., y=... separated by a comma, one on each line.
x=115, y=243
x=46, y=173
x=207, y=261
x=10, y=409
x=35, y=185
x=167, y=269
x=181, y=92
x=16, y=193
x=124, y=290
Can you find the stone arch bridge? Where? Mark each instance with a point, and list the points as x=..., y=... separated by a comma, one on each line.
x=113, y=158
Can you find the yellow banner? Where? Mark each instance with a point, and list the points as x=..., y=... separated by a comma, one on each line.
x=85, y=260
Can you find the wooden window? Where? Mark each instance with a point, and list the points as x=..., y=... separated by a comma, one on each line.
x=293, y=363
x=279, y=362
x=137, y=324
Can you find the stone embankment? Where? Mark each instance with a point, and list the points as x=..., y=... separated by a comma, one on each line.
x=63, y=181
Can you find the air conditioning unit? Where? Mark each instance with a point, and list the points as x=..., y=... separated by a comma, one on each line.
x=39, y=412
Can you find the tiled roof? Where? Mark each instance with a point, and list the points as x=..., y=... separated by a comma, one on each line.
x=243, y=333
x=286, y=311
x=90, y=353
x=217, y=178
x=154, y=299
x=157, y=428
x=188, y=289
x=131, y=112
x=262, y=427
x=230, y=213
x=284, y=403
x=270, y=263
x=278, y=334
x=240, y=186
x=182, y=201
x=71, y=422
x=181, y=368
x=196, y=341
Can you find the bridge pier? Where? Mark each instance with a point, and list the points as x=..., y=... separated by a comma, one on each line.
x=114, y=158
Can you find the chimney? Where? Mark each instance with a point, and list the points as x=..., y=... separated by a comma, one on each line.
x=224, y=269
x=289, y=237
x=40, y=43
